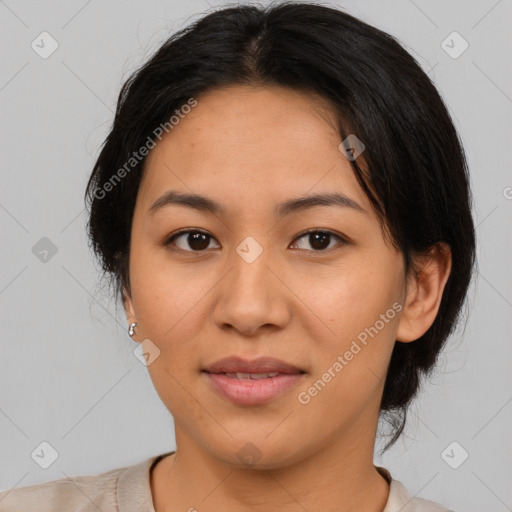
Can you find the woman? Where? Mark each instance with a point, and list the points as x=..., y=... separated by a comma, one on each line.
x=283, y=206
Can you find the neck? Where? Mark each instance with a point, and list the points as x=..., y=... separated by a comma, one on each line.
x=339, y=477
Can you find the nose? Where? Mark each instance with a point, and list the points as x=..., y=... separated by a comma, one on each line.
x=252, y=296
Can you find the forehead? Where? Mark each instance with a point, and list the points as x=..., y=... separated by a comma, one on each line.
x=244, y=118
x=241, y=141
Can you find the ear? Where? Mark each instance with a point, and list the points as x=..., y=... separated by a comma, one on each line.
x=426, y=280
x=129, y=308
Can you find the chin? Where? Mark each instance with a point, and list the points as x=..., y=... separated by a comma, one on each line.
x=258, y=451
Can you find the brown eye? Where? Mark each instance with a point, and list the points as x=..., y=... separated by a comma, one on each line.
x=199, y=241
x=320, y=240
x=191, y=240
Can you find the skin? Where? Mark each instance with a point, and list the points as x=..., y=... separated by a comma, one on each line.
x=250, y=148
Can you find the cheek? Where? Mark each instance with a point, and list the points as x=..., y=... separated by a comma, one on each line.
x=353, y=301
x=353, y=356
x=351, y=359
x=169, y=299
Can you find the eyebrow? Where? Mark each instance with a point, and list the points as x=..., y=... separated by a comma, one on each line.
x=207, y=205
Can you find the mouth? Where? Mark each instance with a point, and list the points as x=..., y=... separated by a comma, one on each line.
x=260, y=366
x=253, y=376
x=255, y=382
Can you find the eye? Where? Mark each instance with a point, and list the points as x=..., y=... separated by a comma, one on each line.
x=320, y=239
x=197, y=240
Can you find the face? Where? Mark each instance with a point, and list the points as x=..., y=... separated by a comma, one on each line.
x=315, y=286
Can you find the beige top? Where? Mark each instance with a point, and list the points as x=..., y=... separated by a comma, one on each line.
x=128, y=490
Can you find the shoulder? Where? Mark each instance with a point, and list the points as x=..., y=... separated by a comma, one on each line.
x=105, y=492
x=400, y=500
x=65, y=494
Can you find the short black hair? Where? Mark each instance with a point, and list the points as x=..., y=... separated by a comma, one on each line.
x=416, y=174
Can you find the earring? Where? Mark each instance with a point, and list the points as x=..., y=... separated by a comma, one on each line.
x=131, y=329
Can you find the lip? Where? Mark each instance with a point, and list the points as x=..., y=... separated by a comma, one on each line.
x=236, y=364
x=249, y=391
x=253, y=391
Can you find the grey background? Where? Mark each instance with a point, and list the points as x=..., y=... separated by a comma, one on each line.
x=67, y=372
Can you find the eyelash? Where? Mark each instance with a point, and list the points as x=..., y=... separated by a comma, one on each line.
x=341, y=240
